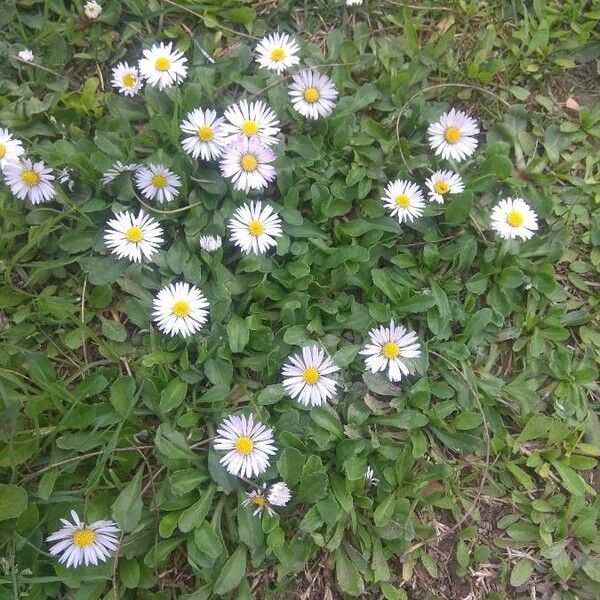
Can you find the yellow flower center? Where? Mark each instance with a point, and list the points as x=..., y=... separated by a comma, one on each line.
x=129, y=80
x=403, y=201
x=441, y=187
x=250, y=128
x=30, y=178
x=452, y=135
x=134, y=234
x=515, y=218
x=181, y=308
x=84, y=537
x=390, y=350
x=311, y=94
x=2, y=150
x=249, y=162
x=259, y=501
x=205, y=133
x=311, y=375
x=255, y=228
x=162, y=64
x=277, y=54
x=244, y=444
x=159, y=181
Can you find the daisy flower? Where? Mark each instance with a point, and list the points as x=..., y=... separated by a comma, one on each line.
x=251, y=119
x=156, y=182
x=180, y=309
x=388, y=348
x=279, y=494
x=210, y=243
x=208, y=138
x=306, y=376
x=10, y=148
x=442, y=183
x=246, y=162
x=161, y=66
x=277, y=52
x=264, y=499
x=370, y=478
x=404, y=199
x=248, y=445
x=254, y=228
x=313, y=94
x=126, y=79
x=353, y=2
x=64, y=177
x=116, y=170
x=132, y=237
x=77, y=543
x=30, y=180
x=453, y=136
x=92, y=9
x=26, y=55
x=513, y=218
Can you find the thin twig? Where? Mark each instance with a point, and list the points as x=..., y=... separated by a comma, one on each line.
x=85, y=354
x=32, y=64
x=167, y=212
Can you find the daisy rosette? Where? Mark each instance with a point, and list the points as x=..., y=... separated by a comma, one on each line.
x=29, y=180
x=210, y=243
x=252, y=120
x=161, y=66
x=207, y=136
x=389, y=348
x=306, y=376
x=247, y=162
x=277, y=52
x=254, y=228
x=404, y=200
x=312, y=94
x=513, y=218
x=126, y=79
x=78, y=543
x=156, y=182
x=442, y=183
x=265, y=497
x=248, y=445
x=10, y=148
x=131, y=237
x=111, y=174
x=180, y=309
x=453, y=136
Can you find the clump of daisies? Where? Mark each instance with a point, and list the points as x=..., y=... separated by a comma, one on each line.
x=266, y=497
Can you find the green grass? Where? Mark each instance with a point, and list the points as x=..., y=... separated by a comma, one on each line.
x=487, y=455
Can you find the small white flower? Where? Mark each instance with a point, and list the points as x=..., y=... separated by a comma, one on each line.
x=353, y=2
x=92, y=9
x=370, y=478
x=126, y=79
x=453, y=136
x=26, y=55
x=208, y=137
x=162, y=66
x=263, y=499
x=388, y=348
x=251, y=119
x=156, y=182
x=30, y=180
x=306, y=376
x=132, y=237
x=313, y=94
x=514, y=218
x=279, y=494
x=210, y=243
x=180, y=309
x=118, y=168
x=246, y=162
x=404, y=199
x=10, y=148
x=277, y=52
x=64, y=178
x=254, y=228
x=442, y=183
x=77, y=543
x=248, y=445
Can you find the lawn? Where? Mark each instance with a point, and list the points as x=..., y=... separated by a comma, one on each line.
x=455, y=459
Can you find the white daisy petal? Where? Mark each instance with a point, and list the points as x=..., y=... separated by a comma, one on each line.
x=210, y=243
x=92, y=9
x=10, y=148
x=26, y=56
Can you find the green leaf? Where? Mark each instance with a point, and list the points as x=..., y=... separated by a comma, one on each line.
x=347, y=575
x=127, y=508
x=571, y=479
x=237, y=333
x=13, y=501
x=122, y=395
x=232, y=572
x=385, y=511
x=313, y=487
x=194, y=515
x=405, y=419
x=173, y=395
x=521, y=572
x=289, y=465
x=591, y=568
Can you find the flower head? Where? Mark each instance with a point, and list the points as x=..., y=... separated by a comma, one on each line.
x=30, y=180
x=306, y=376
x=26, y=55
x=277, y=52
x=64, y=177
x=513, y=218
x=453, y=136
x=389, y=348
x=77, y=543
x=370, y=478
x=92, y=9
x=111, y=174
x=132, y=237
x=404, y=199
x=247, y=163
x=353, y=2
x=442, y=183
x=313, y=94
x=126, y=79
x=207, y=138
x=279, y=494
x=252, y=120
x=248, y=445
x=210, y=243
x=156, y=182
x=180, y=309
x=10, y=148
x=264, y=498
x=254, y=228
x=161, y=66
